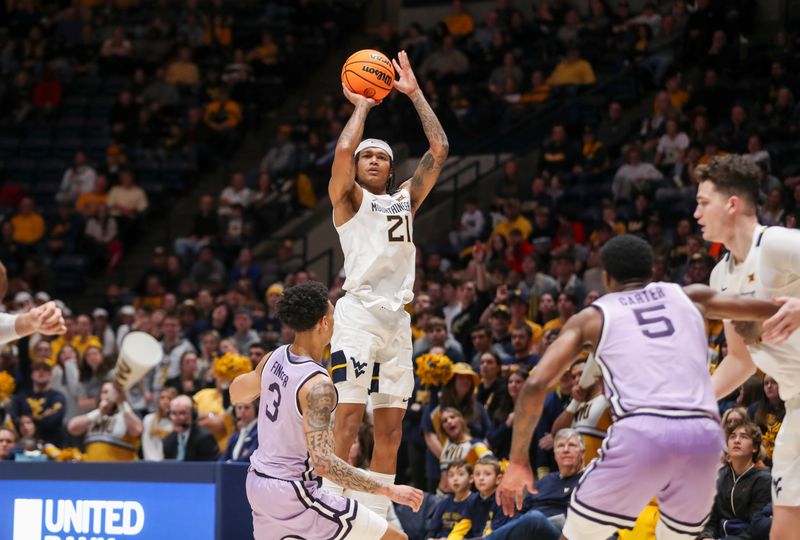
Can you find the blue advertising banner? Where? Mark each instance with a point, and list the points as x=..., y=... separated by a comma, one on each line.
x=123, y=501
x=62, y=510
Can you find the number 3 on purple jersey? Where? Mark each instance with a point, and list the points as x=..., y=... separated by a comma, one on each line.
x=273, y=415
x=654, y=326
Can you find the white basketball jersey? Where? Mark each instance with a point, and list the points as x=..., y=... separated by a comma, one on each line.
x=379, y=252
x=771, y=269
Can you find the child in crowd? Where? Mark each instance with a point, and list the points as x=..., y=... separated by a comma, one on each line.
x=484, y=514
x=460, y=445
x=453, y=508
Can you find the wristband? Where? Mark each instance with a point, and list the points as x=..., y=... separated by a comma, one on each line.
x=93, y=415
x=8, y=328
x=125, y=407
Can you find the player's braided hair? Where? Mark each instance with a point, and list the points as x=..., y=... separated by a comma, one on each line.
x=390, y=187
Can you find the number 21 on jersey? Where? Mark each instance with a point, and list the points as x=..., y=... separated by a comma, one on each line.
x=396, y=233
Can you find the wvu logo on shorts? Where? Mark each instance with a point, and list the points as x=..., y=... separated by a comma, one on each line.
x=777, y=485
x=339, y=366
x=358, y=367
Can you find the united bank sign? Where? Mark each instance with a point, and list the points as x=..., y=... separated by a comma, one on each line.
x=67, y=519
x=63, y=510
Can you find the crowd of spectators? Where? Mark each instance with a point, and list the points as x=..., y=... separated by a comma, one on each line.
x=109, y=111
x=492, y=295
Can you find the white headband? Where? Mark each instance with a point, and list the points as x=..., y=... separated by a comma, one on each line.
x=375, y=143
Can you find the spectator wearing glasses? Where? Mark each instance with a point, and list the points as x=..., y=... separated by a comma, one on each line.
x=188, y=441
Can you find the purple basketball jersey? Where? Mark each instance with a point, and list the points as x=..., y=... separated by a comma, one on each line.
x=653, y=353
x=282, y=451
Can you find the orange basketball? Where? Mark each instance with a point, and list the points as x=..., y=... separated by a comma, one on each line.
x=369, y=73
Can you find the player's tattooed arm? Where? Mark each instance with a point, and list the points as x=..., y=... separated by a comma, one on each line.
x=431, y=163
x=341, y=188
x=432, y=127
x=320, y=401
x=351, y=135
x=430, y=166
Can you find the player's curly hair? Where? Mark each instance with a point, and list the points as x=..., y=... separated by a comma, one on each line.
x=731, y=175
x=627, y=258
x=302, y=306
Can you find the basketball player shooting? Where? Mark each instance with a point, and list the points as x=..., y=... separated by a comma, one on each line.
x=650, y=342
x=371, y=344
x=295, y=442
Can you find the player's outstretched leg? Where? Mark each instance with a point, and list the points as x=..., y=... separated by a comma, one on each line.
x=346, y=423
x=383, y=465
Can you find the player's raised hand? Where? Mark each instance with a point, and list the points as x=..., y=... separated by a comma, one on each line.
x=783, y=324
x=406, y=495
x=355, y=99
x=511, y=492
x=48, y=319
x=407, y=83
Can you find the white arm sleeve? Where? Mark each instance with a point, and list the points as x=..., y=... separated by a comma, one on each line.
x=8, y=328
x=780, y=257
x=591, y=372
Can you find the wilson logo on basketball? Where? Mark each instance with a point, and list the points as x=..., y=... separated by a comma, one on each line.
x=380, y=75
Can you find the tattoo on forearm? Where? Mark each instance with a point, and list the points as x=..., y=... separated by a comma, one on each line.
x=354, y=129
x=426, y=164
x=430, y=124
x=321, y=446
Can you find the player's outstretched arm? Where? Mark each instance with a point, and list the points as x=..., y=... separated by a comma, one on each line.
x=317, y=399
x=716, y=305
x=342, y=188
x=247, y=387
x=46, y=319
x=579, y=330
x=427, y=172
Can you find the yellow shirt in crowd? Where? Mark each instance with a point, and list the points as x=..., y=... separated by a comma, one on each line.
x=230, y=109
x=28, y=229
x=79, y=343
x=577, y=72
x=459, y=24
x=108, y=440
x=209, y=401
x=521, y=223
